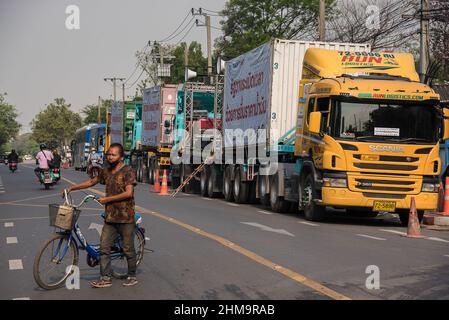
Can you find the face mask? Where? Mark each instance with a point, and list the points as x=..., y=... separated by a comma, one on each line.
x=114, y=164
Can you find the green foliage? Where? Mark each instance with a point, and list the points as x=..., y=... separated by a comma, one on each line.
x=250, y=23
x=91, y=112
x=9, y=127
x=26, y=144
x=196, y=61
x=56, y=125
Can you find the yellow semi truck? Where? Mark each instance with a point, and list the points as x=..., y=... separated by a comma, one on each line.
x=367, y=136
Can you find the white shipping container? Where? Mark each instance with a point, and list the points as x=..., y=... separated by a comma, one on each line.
x=271, y=72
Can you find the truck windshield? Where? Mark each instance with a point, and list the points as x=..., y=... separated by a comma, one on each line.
x=395, y=122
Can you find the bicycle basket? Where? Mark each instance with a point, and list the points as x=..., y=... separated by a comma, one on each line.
x=63, y=216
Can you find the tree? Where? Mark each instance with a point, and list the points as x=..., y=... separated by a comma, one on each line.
x=439, y=38
x=197, y=61
x=56, y=125
x=9, y=127
x=250, y=23
x=384, y=24
x=26, y=144
x=91, y=112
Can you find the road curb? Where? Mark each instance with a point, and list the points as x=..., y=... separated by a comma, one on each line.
x=436, y=221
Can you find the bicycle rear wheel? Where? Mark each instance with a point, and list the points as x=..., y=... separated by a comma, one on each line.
x=55, y=262
x=119, y=263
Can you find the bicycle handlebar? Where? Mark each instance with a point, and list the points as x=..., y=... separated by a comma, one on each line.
x=86, y=198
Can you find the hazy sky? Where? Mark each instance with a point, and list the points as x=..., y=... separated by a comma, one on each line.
x=40, y=59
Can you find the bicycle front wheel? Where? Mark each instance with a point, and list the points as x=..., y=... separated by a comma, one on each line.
x=55, y=262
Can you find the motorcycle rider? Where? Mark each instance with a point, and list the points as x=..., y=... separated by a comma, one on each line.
x=94, y=160
x=57, y=162
x=13, y=156
x=42, y=158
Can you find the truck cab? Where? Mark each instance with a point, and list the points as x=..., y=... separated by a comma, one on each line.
x=367, y=135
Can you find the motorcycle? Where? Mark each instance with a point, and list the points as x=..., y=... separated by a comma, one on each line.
x=13, y=166
x=47, y=178
x=95, y=168
x=56, y=173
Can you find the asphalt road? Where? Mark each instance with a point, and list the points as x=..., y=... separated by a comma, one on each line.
x=209, y=249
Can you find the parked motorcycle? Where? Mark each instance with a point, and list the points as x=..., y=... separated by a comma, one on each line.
x=13, y=166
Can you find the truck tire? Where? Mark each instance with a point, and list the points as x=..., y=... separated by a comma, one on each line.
x=240, y=188
x=312, y=211
x=263, y=187
x=227, y=185
x=277, y=203
x=252, y=192
x=204, y=179
x=210, y=184
x=404, y=215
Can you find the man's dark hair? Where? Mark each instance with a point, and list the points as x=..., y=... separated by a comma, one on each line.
x=120, y=148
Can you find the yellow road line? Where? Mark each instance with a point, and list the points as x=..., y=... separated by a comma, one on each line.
x=253, y=256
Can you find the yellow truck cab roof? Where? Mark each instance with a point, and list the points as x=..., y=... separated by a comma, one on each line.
x=324, y=63
x=366, y=75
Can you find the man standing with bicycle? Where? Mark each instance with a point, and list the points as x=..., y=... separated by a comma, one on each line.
x=119, y=214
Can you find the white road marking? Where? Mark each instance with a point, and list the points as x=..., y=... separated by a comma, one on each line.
x=370, y=237
x=147, y=239
x=23, y=298
x=10, y=224
x=437, y=239
x=394, y=231
x=446, y=255
x=209, y=199
x=97, y=227
x=266, y=228
x=11, y=240
x=15, y=264
x=232, y=204
x=426, y=238
x=309, y=224
x=264, y=212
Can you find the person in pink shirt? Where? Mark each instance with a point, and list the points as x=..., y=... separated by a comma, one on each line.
x=42, y=159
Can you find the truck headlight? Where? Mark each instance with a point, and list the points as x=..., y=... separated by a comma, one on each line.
x=334, y=183
x=430, y=187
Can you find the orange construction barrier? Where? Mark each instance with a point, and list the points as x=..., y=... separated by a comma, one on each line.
x=413, y=230
x=446, y=198
x=164, y=188
x=157, y=186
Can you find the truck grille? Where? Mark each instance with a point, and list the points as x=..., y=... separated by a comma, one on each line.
x=378, y=184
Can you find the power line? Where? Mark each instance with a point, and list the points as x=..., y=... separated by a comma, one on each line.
x=191, y=27
x=170, y=36
x=143, y=69
x=204, y=9
x=137, y=65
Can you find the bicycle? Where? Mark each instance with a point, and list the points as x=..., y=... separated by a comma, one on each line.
x=65, y=245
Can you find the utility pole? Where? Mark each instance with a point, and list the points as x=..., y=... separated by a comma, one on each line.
x=114, y=82
x=424, y=39
x=322, y=23
x=99, y=110
x=209, y=38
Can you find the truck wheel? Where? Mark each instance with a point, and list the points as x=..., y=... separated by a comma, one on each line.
x=264, y=196
x=227, y=185
x=252, y=192
x=210, y=184
x=240, y=188
x=204, y=182
x=404, y=215
x=277, y=203
x=312, y=211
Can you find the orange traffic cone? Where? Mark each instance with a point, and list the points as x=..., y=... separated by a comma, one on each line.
x=157, y=186
x=164, y=188
x=446, y=198
x=413, y=230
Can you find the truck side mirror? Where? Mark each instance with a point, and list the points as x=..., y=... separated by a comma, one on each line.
x=315, y=122
x=446, y=124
